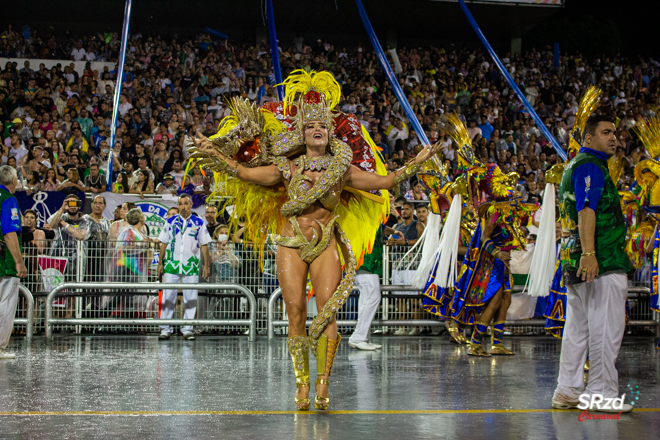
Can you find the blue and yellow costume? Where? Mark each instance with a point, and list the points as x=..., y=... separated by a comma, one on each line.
x=555, y=312
x=482, y=275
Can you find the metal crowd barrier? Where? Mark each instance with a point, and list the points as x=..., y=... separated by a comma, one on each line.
x=59, y=291
x=28, y=321
x=272, y=322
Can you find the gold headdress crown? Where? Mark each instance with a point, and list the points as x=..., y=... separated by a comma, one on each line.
x=314, y=95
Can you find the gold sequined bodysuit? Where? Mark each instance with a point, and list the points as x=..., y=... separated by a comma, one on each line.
x=299, y=185
x=326, y=191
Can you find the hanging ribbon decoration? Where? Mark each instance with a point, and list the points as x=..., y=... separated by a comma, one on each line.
x=274, y=50
x=120, y=80
x=560, y=151
x=391, y=78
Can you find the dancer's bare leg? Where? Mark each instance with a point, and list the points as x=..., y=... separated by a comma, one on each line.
x=292, y=274
x=325, y=273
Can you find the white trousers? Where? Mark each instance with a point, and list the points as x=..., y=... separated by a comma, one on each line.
x=8, y=301
x=595, y=321
x=368, y=300
x=168, y=301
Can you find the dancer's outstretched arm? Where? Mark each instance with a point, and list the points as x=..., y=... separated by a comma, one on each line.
x=366, y=181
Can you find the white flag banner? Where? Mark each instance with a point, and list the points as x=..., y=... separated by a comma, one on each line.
x=155, y=209
x=52, y=274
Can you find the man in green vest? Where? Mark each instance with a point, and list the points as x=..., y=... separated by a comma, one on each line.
x=12, y=266
x=595, y=267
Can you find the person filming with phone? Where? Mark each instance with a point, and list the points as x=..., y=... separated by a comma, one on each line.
x=69, y=226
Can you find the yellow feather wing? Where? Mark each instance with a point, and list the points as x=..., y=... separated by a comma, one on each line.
x=361, y=217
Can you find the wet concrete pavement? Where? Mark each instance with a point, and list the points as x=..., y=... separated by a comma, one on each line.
x=226, y=387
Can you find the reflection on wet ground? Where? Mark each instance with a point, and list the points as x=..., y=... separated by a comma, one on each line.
x=226, y=387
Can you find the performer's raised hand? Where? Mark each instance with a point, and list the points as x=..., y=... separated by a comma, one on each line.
x=428, y=152
x=202, y=143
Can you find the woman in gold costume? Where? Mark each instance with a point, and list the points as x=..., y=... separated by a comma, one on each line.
x=314, y=166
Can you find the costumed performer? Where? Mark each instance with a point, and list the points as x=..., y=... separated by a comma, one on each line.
x=483, y=290
x=438, y=300
x=296, y=144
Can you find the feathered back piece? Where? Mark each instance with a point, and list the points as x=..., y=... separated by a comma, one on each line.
x=648, y=131
x=588, y=104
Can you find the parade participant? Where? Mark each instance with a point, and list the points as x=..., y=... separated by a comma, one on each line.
x=181, y=240
x=438, y=300
x=368, y=283
x=12, y=266
x=322, y=196
x=595, y=265
x=483, y=289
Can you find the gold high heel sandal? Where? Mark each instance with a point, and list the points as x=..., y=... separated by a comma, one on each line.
x=454, y=335
x=326, y=350
x=299, y=349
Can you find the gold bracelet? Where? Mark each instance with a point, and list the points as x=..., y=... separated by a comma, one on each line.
x=408, y=171
x=589, y=254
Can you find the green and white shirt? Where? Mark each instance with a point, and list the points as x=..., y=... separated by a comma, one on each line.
x=184, y=239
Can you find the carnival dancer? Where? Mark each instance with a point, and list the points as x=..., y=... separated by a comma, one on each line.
x=647, y=173
x=595, y=266
x=483, y=290
x=290, y=168
x=438, y=300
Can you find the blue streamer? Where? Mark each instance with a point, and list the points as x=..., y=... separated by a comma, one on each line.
x=274, y=51
x=398, y=91
x=216, y=33
x=120, y=77
x=560, y=151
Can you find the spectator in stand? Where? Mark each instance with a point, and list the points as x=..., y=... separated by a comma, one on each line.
x=121, y=186
x=78, y=142
x=34, y=239
x=70, y=227
x=144, y=184
x=167, y=186
x=177, y=172
x=212, y=224
x=486, y=128
x=130, y=175
x=416, y=193
x=51, y=182
x=398, y=132
x=72, y=184
x=95, y=182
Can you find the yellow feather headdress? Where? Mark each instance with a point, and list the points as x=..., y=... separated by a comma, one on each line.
x=648, y=131
x=588, y=105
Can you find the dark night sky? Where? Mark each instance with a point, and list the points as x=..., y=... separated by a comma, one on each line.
x=416, y=22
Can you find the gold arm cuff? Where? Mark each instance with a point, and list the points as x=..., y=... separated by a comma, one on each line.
x=407, y=172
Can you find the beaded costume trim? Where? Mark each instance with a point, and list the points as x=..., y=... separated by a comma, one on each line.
x=309, y=249
x=314, y=163
x=342, y=156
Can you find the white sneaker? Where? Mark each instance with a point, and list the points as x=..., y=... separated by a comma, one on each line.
x=375, y=345
x=414, y=332
x=6, y=355
x=364, y=345
x=401, y=332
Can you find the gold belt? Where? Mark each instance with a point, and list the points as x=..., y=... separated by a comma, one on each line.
x=309, y=249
